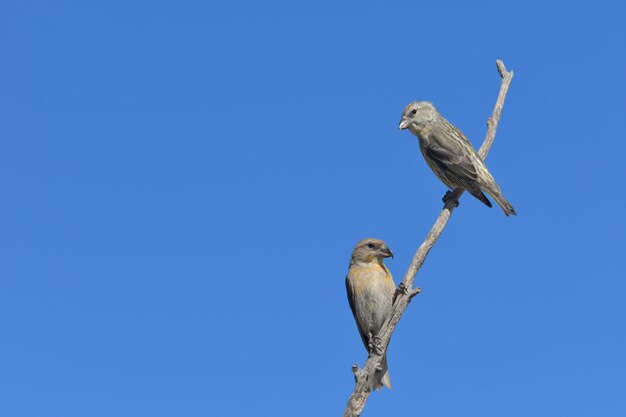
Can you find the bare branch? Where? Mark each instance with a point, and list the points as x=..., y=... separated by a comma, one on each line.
x=406, y=292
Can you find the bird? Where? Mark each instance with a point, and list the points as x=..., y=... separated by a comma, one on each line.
x=371, y=289
x=450, y=155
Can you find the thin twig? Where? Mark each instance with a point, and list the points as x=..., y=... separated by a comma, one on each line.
x=405, y=291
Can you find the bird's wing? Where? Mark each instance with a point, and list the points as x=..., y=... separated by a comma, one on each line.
x=451, y=150
x=350, y=291
x=453, y=153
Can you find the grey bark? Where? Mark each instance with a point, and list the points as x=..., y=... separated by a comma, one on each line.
x=405, y=291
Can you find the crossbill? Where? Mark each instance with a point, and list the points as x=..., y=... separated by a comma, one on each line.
x=450, y=155
x=370, y=289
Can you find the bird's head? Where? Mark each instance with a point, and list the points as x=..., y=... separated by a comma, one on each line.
x=371, y=249
x=418, y=114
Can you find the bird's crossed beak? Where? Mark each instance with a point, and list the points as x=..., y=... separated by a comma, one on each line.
x=386, y=252
x=404, y=123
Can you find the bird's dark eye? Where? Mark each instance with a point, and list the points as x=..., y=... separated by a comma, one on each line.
x=413, y=111
x=370, y=245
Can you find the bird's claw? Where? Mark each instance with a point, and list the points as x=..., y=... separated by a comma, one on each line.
x=374, y=345
x=402, y=289
x=447, y=197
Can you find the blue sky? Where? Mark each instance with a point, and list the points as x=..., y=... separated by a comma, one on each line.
x=183, y=183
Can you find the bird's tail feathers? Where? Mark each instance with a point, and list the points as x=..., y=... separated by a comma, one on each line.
x=504, y=204
x=481, y=196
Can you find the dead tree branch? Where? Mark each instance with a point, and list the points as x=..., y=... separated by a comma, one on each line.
x=405, y=291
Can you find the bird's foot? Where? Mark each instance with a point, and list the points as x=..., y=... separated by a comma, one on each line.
x=447, y=197
x=400, y=290
x=374, y=345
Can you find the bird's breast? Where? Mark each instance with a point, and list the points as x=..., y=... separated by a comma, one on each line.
x=373, y=289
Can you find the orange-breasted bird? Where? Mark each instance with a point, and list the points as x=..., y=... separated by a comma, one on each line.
x=371, y=289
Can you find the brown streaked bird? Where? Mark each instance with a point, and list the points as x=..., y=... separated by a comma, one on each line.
x=450, y=155
x=370, y=289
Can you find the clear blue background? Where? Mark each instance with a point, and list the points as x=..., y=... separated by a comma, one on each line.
x=183, y=183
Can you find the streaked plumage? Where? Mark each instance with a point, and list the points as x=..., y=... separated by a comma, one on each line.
x=370, y=289
x=450, y=155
